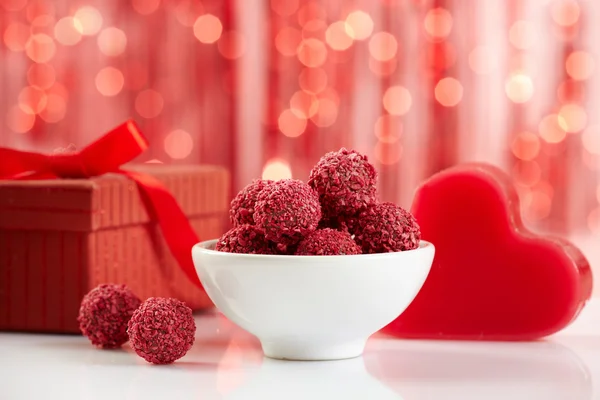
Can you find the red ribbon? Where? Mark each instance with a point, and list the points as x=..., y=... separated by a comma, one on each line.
x=108, y=154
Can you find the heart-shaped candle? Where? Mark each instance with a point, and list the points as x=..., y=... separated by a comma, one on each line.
x=491, y=279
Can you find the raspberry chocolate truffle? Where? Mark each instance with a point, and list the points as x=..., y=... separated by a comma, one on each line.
x=386, y=227
x=104, y=314
x=245, y=239
x=241, y=211
x=287, y=211
x=327, y=242
x=162, y=330
x=345, y=181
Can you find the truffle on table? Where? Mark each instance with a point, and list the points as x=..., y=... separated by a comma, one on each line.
x=241, y=211
x=327, y=242
x=345, y=181
x=162, y=330
x=245, y=239
x=104, y=314
x=386, y=227
x=287, y=211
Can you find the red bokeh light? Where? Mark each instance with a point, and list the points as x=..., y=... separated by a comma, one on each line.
x=438, y=23
x=178, y=144
x=149, y=103
x=312, y=80
x=397, y=100
x=16, y=36
x=18, y=120
x=359, y=25
x=55, y=110
x=208, y=28
x=551, y=128
x=42, y=76
x=388, y=153
x=109, y=81
x=304, y=105
x=32, y=100
x=388, y=128
x=448, y=92
x=312, y=53
x=291, y=124
x=383, y=46
x=526, y=146
x=287, y=41
x=276, y=169
x=580, y=65
x=40, y=48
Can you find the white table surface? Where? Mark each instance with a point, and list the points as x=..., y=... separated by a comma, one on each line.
x=226, y=363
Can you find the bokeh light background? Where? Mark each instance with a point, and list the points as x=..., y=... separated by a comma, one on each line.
x=265, y=87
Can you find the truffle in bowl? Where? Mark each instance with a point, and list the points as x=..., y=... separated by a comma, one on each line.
x=312, y=307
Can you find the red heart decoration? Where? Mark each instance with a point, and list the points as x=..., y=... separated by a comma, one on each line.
x=491, y=278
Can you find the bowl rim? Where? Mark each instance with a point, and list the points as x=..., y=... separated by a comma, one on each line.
x=203, y=247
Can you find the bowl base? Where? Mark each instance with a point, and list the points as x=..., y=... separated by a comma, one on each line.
x=312, y=350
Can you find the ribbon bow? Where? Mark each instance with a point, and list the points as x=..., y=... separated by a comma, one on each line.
x=108, y=154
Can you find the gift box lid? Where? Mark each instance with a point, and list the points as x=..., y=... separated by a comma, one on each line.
x=110, y=200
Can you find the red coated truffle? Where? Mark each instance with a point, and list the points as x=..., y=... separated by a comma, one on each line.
x=345, y=181
x=241, y=211
x=245, y=239
x=104, y=314
x=386, y=227
x=327, y=242
x=162, y=330
x=287, y=211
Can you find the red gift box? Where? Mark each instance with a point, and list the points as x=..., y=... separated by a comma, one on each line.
x=72, y=220
x=61, y=238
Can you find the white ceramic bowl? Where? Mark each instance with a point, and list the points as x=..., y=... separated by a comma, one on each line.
x=312, y=307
